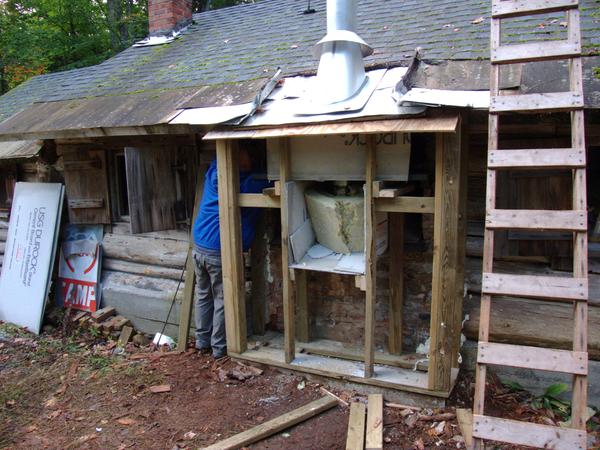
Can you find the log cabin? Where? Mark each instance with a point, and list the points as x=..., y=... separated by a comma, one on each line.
x=131, y=138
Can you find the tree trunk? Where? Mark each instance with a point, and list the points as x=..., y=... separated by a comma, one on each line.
x=115, y=21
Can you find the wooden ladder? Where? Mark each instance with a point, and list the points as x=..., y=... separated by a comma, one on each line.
x=562, y=289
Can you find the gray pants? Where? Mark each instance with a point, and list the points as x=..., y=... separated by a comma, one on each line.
x=210, y=307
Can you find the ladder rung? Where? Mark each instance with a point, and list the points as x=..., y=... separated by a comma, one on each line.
x=536, y=158
x=529, y=219
x=532, y=434
x=535, y=51
x=536, y=286
x=517, y=8
x=526, y=357
x=552, y=101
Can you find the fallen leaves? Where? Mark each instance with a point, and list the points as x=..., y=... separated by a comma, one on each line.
x=127, y=421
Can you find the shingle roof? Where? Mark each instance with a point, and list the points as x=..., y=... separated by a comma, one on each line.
x=249, y=41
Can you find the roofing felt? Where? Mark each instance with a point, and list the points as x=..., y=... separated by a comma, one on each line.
x=248, y=42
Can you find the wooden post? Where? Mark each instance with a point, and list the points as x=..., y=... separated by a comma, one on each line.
x=370, y=257
x=443, y=292
x=302, y=322
x=185, y=315
x=396, y=275
x=289, y=321
x=231, y=245
x=258, y=269
x=461, y=242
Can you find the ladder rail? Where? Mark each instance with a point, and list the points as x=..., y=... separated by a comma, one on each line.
x=575, y=289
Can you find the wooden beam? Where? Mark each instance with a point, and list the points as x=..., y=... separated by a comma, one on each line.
x=258, y=274
x=442, y=122
x=374, y=432
x=464, y=417
x=370, y=257
x=231, y=245
x=276, y=425
x=289, y=307
x=302, y=318
x=355, y=440
x=258, y=201
x=580, y=241
x=396, y=277
x=185, y=315
x=445, y=256
x=461, y=240
x=418, y=205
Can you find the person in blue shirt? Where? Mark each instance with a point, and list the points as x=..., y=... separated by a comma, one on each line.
x=209, y=307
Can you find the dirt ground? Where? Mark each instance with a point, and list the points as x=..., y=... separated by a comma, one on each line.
x=75, y=390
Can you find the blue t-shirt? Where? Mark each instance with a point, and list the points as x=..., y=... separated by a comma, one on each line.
x=206, y=227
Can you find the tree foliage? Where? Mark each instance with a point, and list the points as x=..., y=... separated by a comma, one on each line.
x=40, y=36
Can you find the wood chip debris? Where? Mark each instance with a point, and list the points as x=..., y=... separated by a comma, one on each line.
x=159, y=389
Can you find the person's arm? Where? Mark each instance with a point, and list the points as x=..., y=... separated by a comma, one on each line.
x=249, y=184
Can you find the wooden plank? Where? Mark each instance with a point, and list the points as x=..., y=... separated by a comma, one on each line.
x=502, y=8
x=436, y=123
x=151, y=189
x=185, y=315
x=85, y=203
x=259, y=273
x=340, y=350
x=258, y=201
x=488, y=238
x=276, y=425
x=302, y=318
x=374, y=431
x=580, y=241
x=547, y=102
x=465, y=423
x=535, y=51
x=550, y=158
x=529, y=219
x=535, y=286
x=396, y=277
x=419, y=205
x=355, y=439
x=370, y=257
x=231, y=246
x=531, y=434
x=445, y=257
x=461, y=241
x=289, y=307
x=536, y=358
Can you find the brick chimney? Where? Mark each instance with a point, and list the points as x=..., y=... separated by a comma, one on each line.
x=166, y=16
